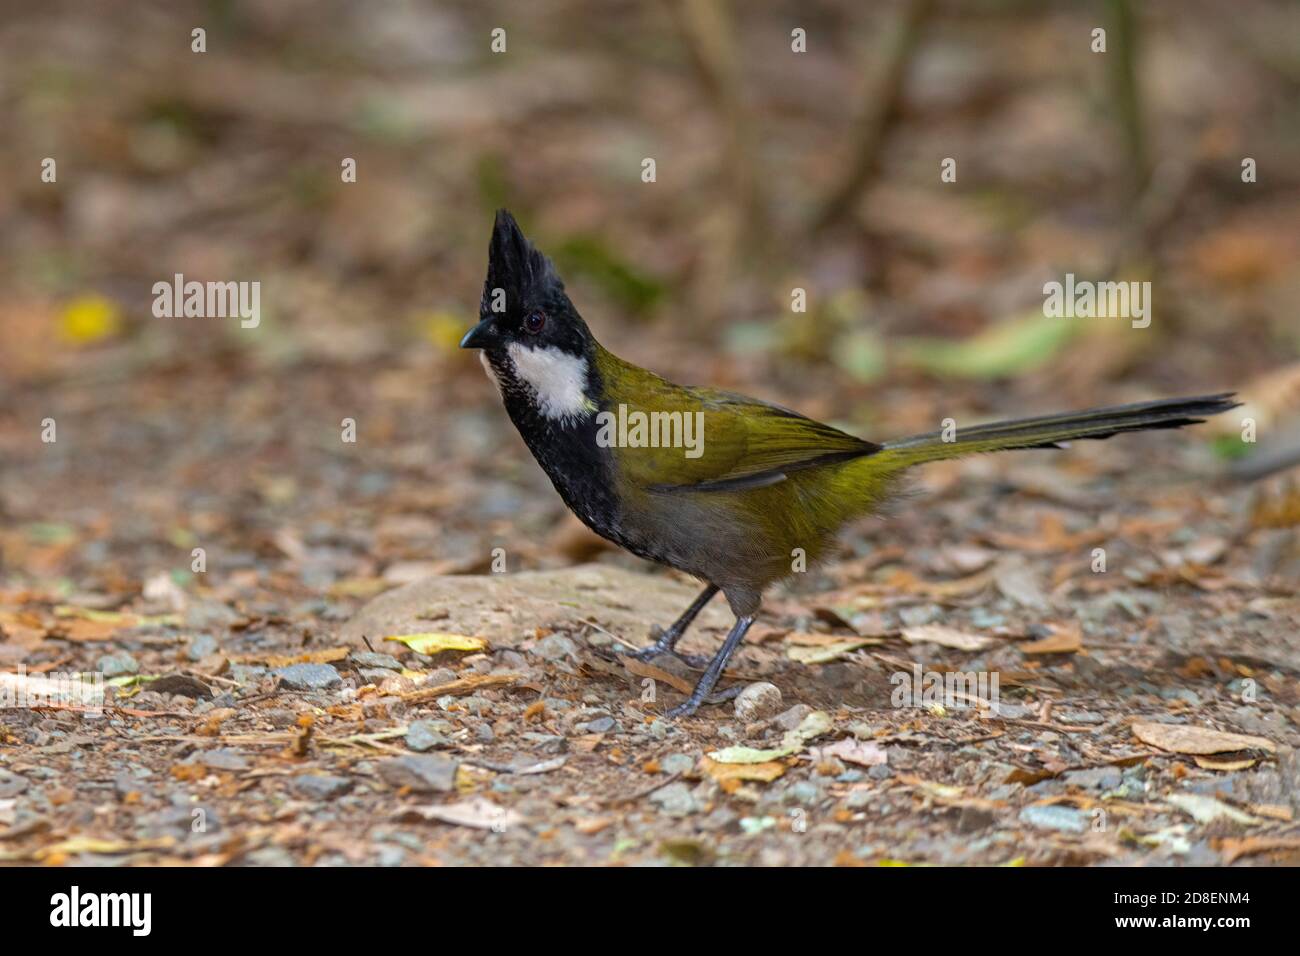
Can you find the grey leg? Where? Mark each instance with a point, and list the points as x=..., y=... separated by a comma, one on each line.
x=667, y=640
x=719, y=663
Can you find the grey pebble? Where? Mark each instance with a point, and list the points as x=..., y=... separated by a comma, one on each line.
x=372, y=659
x=117, y=665
x=11, y=784
x=308, y=676
x=1064, y=819
x=554, y=647
x=421, y=772
x=1094, y=778
x=321, y=786
x=423, y=735
x=675, y=800
x=201, y=646
x=677, y=763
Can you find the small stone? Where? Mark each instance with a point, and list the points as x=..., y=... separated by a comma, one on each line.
x=321, y=786
x=677, y=763
x=554, y=647
x=422, y=735
x=545, y=743
x=1094, y=778
x=270, y=856
x=11, y=784
x=974, y=819
x=1012, y=711
x=201, y=646
x=308, y=676
x=600, y=725
x=395, y=684
x=803, y=793
x=1067, y=716
x=117, y=665
x=920, y=614
x=422, y=772
x=792, y=718
x=858, y=799
x=133, y=781
x=371, y=659
x=222, y=758
x=675, y=800
x=390, y=856
x=1064, y=819
x=758, y=701
x=985, y=619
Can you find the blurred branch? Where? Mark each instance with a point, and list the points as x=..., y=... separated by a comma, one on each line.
x=1267, y=462
x=877, y=118
x=709, y=34
x=1124, y=44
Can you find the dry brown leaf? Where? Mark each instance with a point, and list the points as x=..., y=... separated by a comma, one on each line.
x=462, y=685
x=1064, y=639
x=1274, y=811
x=1234, y=849
x=823, y=653
x=1187, y=739
x=1227, y=766
x=947, y=637
x=324, y=656
x=909, y=583
x=479, y=813
x=644, y=669
x=850, y=750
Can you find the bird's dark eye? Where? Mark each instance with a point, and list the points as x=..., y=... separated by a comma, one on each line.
x=534, y=322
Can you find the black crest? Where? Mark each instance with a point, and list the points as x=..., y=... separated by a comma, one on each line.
x=515, y=265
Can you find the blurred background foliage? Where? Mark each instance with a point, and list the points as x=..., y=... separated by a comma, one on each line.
x=775, y=170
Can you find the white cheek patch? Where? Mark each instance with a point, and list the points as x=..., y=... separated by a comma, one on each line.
x=558, y=380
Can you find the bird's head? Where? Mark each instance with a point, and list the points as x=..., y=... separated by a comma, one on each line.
x=534, y=342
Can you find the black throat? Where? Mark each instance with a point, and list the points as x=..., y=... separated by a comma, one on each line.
x=580, y=469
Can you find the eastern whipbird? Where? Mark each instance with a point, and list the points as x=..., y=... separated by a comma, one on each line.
x=763, y=485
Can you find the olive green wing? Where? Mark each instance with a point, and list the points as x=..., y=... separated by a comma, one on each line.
x=735, y=443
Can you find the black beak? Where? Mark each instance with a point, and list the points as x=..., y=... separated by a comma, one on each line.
x=480, y=337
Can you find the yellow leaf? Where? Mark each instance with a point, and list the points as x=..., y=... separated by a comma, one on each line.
x=434, y=642
x=89, y=318
x=444, y=329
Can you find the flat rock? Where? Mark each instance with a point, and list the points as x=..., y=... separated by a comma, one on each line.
x=508, y=608
x=320, y=786
x=423, y=773
x=308, y=676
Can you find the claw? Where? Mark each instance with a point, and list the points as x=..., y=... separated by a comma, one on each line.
x=694, y=661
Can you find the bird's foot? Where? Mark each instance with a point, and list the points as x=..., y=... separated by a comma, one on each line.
x=648, y=654
x=665, y=643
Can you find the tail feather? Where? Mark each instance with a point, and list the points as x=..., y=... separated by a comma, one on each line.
x=1049, y=431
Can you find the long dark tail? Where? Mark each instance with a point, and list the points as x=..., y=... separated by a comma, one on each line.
x=1050, y=430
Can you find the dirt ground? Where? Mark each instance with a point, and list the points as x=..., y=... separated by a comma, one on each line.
x=545, y=744
x=228, y=525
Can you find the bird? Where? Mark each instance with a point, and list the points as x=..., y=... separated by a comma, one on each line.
x=734, y=491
